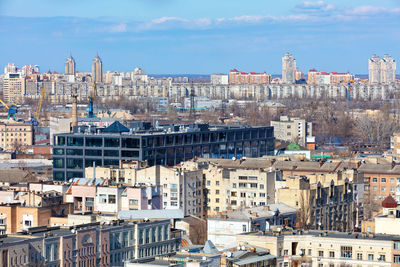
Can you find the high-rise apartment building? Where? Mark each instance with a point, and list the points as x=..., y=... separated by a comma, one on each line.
x=10, y=68
x=13, y=88
x=70, y=66
x=381, y=70
x=288, y=68
x=388, y=70
x=97, y=70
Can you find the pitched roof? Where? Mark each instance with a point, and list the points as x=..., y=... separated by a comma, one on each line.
x=116, y=127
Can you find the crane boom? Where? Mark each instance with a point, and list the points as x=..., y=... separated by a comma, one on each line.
x=4, y=104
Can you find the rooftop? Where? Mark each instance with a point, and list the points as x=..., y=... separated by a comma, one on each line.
x=256, y=213
x=328, y=234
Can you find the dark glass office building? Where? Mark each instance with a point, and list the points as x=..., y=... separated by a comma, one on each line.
x=159, y=145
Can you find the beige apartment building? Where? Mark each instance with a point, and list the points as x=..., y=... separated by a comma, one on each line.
x=330, y=249
x=13, y=88
x=233, y=184
x=292, y=129
x=16, y=136
x=324, y=201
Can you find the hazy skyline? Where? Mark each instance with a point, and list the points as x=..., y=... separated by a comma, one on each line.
x=184, y=36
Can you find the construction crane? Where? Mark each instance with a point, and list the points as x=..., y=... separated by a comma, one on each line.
x=39, y=107
x=11, y=110
x=92, y=95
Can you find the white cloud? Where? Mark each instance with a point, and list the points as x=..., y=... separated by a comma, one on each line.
x=315, y=6
x=373, y=10
x=117, y=28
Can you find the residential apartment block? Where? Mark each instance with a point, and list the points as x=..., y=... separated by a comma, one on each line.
x=89, y=245
x=319, y=77
x=317, y=248
x=16, y=136
x=13, y=88
x=33, y=209
x=292, y=129
x=325, y=202
x=381, y=70
x=240, y=77
x=223, y=228
x=288, y=69
x=238, y=183
x=98, y=196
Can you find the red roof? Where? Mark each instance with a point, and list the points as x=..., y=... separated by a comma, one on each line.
x=313, y=70
x=389, y=202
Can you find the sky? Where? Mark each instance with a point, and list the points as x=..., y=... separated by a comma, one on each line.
x=199, y=37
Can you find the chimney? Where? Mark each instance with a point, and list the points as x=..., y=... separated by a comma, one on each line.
x=320, y=163
x=74, y=107
x=393, y=164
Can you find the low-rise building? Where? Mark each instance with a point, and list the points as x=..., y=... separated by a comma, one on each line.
x=292, y=129
x=89, y=245
x=16, y=136
x=316, y=248
x=222, y=229
x=32, y=209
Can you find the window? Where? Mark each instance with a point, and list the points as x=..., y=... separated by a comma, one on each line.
x=331, y=254
x=261, y=186
x=285, y=252
x=392, y=189
x=133, y=202
x=253, y=185
x=320, y=253
x=111, y=199
x=383, y=189
x=396, y=258
x=27, y=223
x=217, y=200
x=102, y=198
x=253, y=177
x=396, y=245
x=216, y=182
x=320, y=265
x=174, y=203
x=375, y=188
x=262, y=194
x=359, y=256
x=208, y=182
x=217, y=192
x=374, y=180
x=392, y=180
x=346, y=252
x=381, y=258
x=309, y=252
x=234, y=185
x=244, y=228
x=370, y=257
x=383, y=180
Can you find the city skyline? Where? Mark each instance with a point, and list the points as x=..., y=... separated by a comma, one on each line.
x=179, y=37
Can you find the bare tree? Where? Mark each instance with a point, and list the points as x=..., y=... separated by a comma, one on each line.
x=304, y=213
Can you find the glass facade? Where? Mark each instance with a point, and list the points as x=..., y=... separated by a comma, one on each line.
x=73, y=152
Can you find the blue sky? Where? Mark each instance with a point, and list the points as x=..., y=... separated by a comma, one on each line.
x=186, y=36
